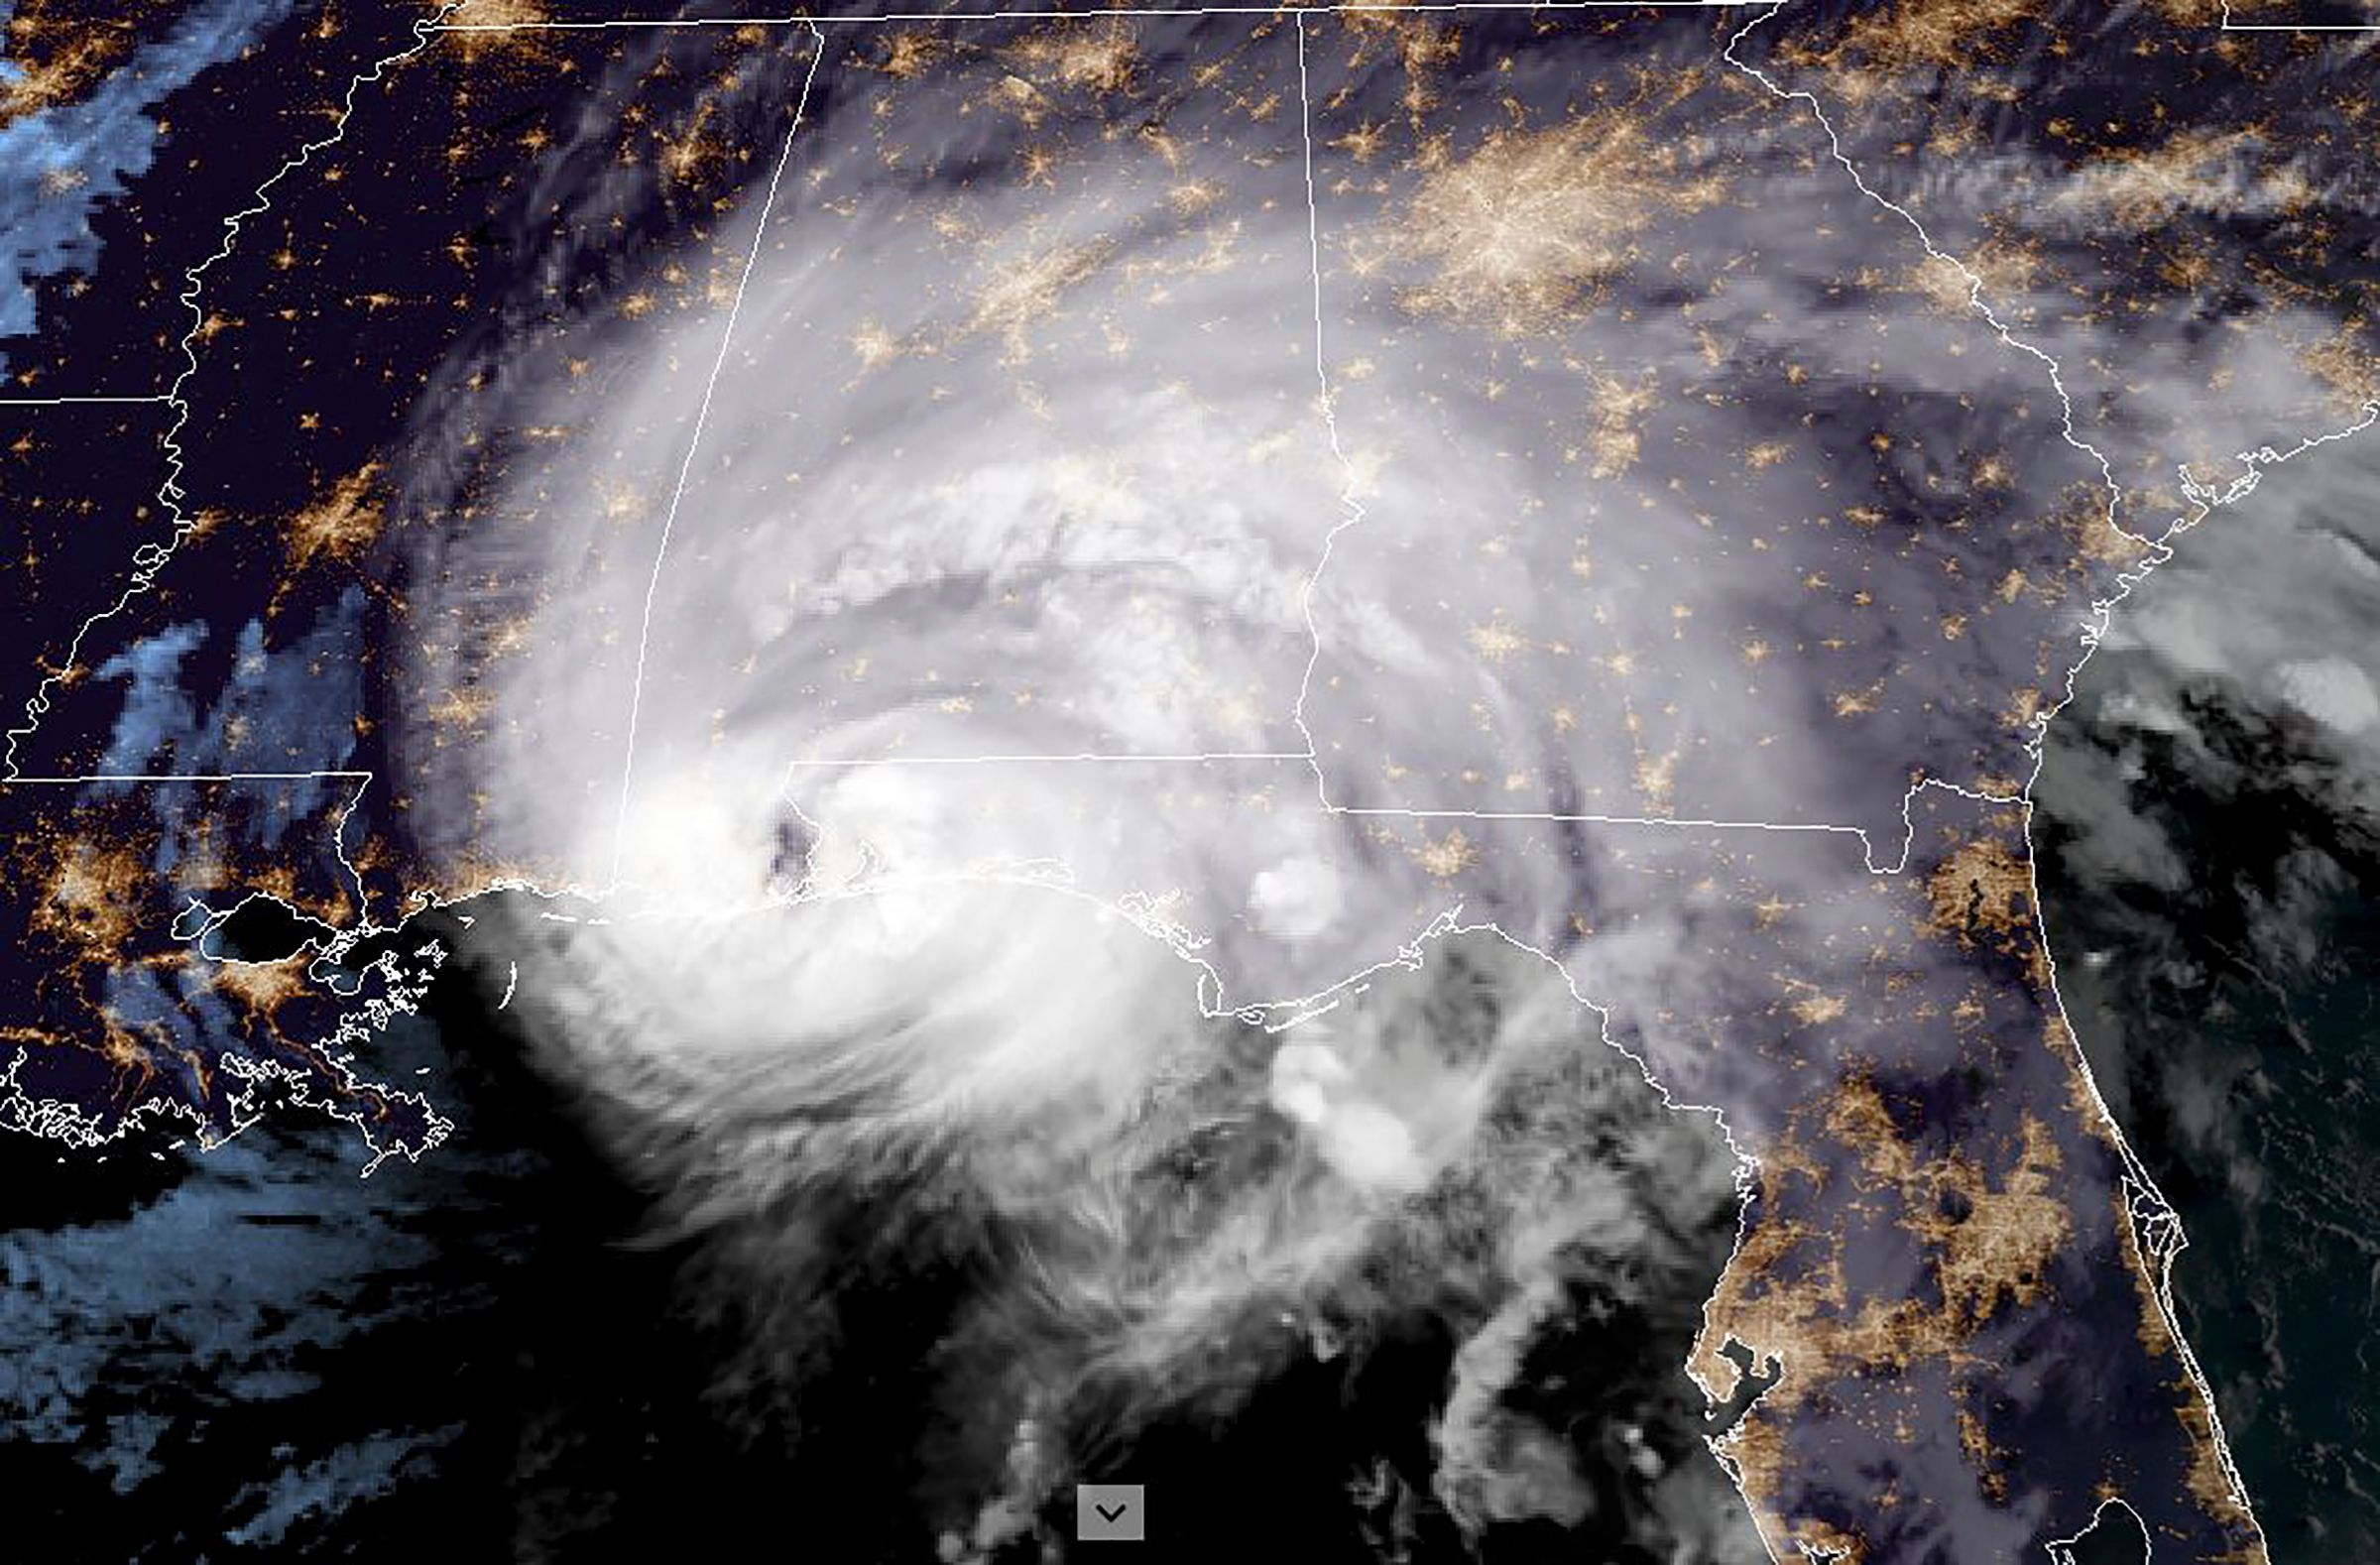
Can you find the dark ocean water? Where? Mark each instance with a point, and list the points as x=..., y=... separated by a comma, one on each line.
x=491, y=1356
x=494, y=1355
x=488, y=1356
x=2212, y=882
x=253, y=1354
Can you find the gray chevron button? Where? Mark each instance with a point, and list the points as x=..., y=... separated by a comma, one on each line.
x=1111, y=1512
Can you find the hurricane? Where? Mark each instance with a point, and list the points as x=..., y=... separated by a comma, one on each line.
x=894, y=696
x=1122, y=711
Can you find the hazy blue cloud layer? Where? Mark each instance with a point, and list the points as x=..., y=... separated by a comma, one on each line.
x=60, y=164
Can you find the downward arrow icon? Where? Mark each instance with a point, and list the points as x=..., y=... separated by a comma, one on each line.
x=1107, y=1512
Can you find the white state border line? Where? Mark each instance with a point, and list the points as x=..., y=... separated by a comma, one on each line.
x=1302, y=757
x=183, y=777
x=2207, y=502
x=1746, y=1167
x=1355, y=513
x=365, y=924
x=702, y=416
x=2229, y=26
x=2159, y=1266
x=1326, y=403
x=1034, y=758
x=53, y=1118
x=148, y=558
x=1311, y=755
x=77, y=401
x=1424, y=7
x=1102, y=13
x=151, y=558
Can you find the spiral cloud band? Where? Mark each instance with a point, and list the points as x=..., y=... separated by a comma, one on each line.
x=1116, y=650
